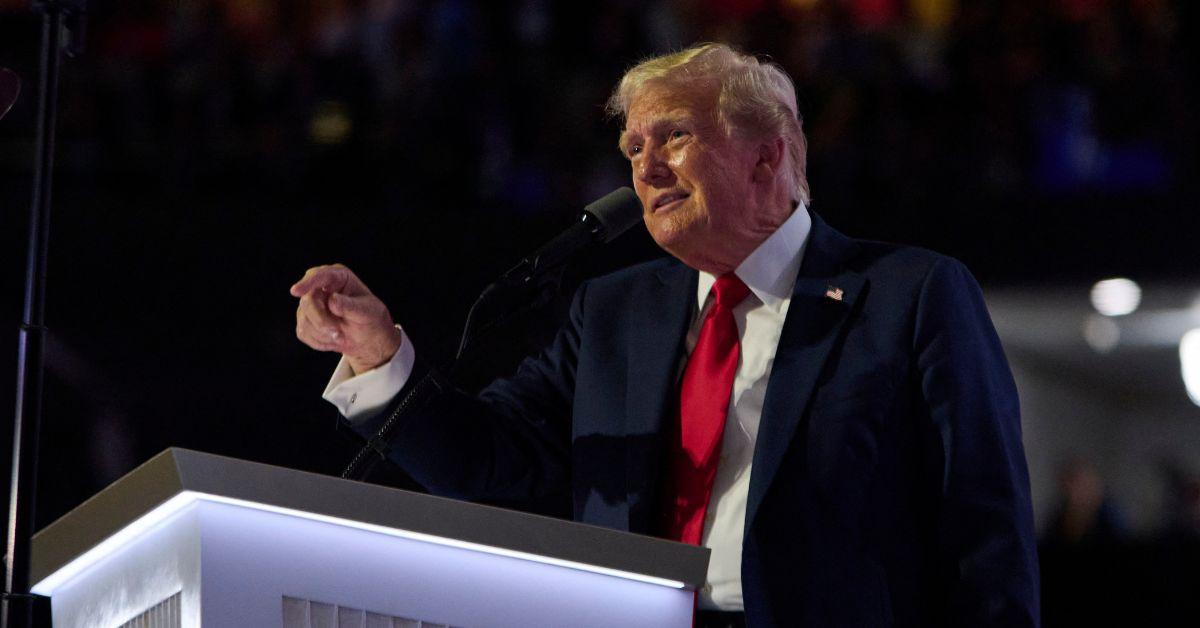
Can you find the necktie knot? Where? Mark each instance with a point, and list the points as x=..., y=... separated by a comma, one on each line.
x=729, y=290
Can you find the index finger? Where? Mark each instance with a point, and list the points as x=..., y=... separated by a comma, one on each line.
x=330, y=278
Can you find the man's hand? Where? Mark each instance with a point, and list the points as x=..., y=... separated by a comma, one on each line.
x=338, y=313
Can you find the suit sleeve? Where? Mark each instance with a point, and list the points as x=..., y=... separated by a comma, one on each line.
x=509, y=442
x=985, y=520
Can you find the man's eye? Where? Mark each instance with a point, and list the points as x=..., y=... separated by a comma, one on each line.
x=677, y=133
x=633, y=150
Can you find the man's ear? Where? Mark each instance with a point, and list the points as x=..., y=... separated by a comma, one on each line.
x=770, y=160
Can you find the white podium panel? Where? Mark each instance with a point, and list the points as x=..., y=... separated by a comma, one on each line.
x=144, y=569
x=208, y=559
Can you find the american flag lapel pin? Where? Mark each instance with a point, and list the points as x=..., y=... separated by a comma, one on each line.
x=834, y=293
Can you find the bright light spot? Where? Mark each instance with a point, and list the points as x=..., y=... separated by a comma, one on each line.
x=1116, y=297
x=1189, y=363
x=1101, y=334
x=109, y=546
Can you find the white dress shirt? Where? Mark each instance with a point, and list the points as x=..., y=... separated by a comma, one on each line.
x=770, y=273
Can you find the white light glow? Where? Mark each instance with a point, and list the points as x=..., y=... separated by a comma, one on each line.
x=1101, y=333
x=115, y=542
x=1189, y=363
x=186, y=498
x=1116, y=297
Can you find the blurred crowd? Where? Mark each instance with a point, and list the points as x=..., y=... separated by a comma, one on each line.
x=493, y=98
x=1097, y=572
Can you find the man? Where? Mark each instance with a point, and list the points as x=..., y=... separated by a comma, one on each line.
x=835, y=419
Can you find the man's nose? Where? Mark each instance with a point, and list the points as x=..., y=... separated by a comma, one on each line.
x=652, y=167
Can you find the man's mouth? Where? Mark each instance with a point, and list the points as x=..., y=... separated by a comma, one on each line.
x=667, y=200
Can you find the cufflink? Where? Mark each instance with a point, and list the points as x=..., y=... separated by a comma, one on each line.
x=835, y=293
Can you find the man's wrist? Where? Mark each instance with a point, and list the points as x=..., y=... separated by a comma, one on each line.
x=358, y=396
x=382, y=355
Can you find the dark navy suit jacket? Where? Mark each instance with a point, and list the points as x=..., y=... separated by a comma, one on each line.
x=889, y=485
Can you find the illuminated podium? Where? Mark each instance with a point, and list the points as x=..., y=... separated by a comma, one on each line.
x=191, y=539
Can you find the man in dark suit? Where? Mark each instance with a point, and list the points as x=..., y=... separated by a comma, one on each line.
x=834, y=418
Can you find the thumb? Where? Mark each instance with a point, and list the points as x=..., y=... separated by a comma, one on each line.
x=364, y=309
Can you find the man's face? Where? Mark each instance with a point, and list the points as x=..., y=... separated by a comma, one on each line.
x=700, y=200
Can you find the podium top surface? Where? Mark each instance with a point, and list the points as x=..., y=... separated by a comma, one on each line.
x=181, y=472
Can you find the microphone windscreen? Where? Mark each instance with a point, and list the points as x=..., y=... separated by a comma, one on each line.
x=616, y=212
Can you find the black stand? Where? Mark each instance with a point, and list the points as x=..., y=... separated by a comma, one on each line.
x=61, y=28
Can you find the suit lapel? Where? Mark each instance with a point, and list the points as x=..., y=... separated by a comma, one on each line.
x=656, y=346
x=824, y=295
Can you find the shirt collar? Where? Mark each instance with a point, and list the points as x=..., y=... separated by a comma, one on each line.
x=770, y=270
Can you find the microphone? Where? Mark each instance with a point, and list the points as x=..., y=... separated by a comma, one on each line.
x=602, y=221
x=10, y=87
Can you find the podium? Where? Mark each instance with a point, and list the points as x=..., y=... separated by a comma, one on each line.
x=192, y=539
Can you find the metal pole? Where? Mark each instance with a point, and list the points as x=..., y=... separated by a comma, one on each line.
x=17, y=602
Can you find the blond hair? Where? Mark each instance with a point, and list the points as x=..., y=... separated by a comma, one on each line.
x=756, y=98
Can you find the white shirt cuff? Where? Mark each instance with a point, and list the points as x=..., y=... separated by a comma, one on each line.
x=358, y=397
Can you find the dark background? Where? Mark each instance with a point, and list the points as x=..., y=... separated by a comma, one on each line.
x=211, y=150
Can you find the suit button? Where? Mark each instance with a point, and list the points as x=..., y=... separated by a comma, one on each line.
x=353, y=397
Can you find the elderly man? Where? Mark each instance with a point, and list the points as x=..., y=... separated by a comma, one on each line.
x=834, y=418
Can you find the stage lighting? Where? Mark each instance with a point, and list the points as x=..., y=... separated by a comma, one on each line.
x=1101, y=334
x=1189, y=363
x=1116, y=297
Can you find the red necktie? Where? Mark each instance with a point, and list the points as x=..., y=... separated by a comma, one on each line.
x=703, y=403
